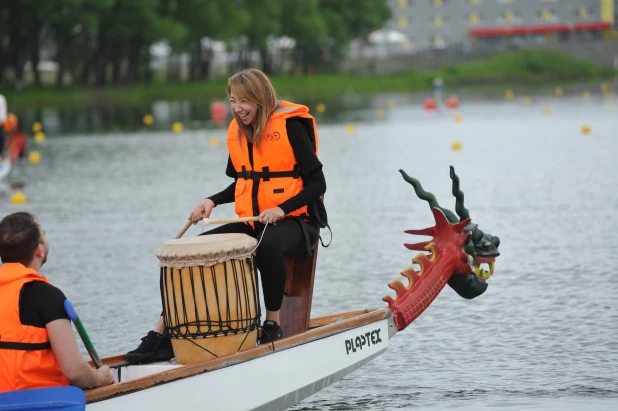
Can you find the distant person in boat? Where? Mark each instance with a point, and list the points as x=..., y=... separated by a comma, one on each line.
x=3, y=114
x=15, y=140
x=279, y=140
x=37, y=345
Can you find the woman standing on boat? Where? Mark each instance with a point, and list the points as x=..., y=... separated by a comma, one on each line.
x=277, y=176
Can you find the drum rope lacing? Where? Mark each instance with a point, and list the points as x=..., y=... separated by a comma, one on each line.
x=217, y=321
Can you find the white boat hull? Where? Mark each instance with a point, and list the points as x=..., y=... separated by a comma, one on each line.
x=5, y=167
x=274, y=381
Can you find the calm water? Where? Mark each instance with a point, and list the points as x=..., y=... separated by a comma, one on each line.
x=543, y=337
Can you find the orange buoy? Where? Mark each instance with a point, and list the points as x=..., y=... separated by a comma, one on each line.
x=218, y=113
x=452, y=102
x=430, y=104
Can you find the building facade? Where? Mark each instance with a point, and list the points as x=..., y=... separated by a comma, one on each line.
x=437, y=24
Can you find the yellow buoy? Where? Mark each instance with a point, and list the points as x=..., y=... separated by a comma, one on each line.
x=392, y=103
x=37, y=126
x=177, y=127
x=321, y=108
x=546, y=110
x=34, y=157
x=349, y=128
x=559, y=92
x=586, y=95
x=39, y=137
x=509, y=94
x=380, y=112
x=527, y=100
x=214, y=141
x=586, y=129
x=456, y=146
x=458, y=118
x=604, y=88
x=18, y=198
x=148, y=119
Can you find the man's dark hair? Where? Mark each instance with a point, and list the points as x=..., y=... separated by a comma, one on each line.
x=19, y=237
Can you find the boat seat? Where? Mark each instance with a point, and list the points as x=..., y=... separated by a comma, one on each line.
x=296, y=307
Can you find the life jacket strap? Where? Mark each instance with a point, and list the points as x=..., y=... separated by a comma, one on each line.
x=7, y=345
x=266, y=174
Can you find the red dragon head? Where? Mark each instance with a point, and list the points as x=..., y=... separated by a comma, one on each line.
x=456, y=251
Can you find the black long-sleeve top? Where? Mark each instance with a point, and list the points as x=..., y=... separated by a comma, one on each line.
x=314, y=183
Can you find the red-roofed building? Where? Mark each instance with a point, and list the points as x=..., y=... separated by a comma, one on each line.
x=441, y=23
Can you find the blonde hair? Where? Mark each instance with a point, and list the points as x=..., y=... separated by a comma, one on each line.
x=255, y=87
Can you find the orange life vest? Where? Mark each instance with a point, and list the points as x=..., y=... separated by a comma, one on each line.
x=26, y=358
x=274, y=165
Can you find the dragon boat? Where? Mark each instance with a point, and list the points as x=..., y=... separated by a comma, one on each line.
x=315, y=352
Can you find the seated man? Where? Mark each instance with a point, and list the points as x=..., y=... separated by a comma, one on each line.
x=37, y=345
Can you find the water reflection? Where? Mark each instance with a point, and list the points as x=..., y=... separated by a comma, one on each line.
x=195, y=114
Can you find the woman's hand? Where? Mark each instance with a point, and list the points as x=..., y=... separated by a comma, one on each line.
x=271, y=215
x=203, y=210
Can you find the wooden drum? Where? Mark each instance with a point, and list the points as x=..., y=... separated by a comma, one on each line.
x=209, y=292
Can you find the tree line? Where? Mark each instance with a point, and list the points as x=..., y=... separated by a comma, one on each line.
x=102, y=42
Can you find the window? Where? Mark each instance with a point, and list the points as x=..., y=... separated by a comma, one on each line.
x=403, y=22
x=585, y=13
x=547, y=15
x=474, y=18
x=438, y=20
x=510, y=16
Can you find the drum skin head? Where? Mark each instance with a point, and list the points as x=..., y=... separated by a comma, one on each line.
x=205, y=250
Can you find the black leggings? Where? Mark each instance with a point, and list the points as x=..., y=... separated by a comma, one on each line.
x=281, y=239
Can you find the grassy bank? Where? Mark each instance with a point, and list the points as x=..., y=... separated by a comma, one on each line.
x=519, y=67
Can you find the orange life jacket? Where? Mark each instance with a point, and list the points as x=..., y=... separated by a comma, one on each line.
x=26, y=358
x=274, y=165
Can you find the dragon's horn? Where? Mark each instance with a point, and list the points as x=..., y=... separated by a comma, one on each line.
x=418, y=188
x=417, y=246
x=461, y=211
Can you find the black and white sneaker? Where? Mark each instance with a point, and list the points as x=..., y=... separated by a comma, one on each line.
x=270, y=332
x=154, y=347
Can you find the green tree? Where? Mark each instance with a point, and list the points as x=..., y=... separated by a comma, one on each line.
x=70, y=23
x=208, y=19
x=266, y=19
x=350, y=19
x=305, y=23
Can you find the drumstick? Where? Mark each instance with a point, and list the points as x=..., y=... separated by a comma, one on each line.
x=211, y=221
x=184, y=229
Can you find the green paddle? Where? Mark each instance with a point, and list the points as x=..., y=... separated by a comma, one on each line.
x=68, y=307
